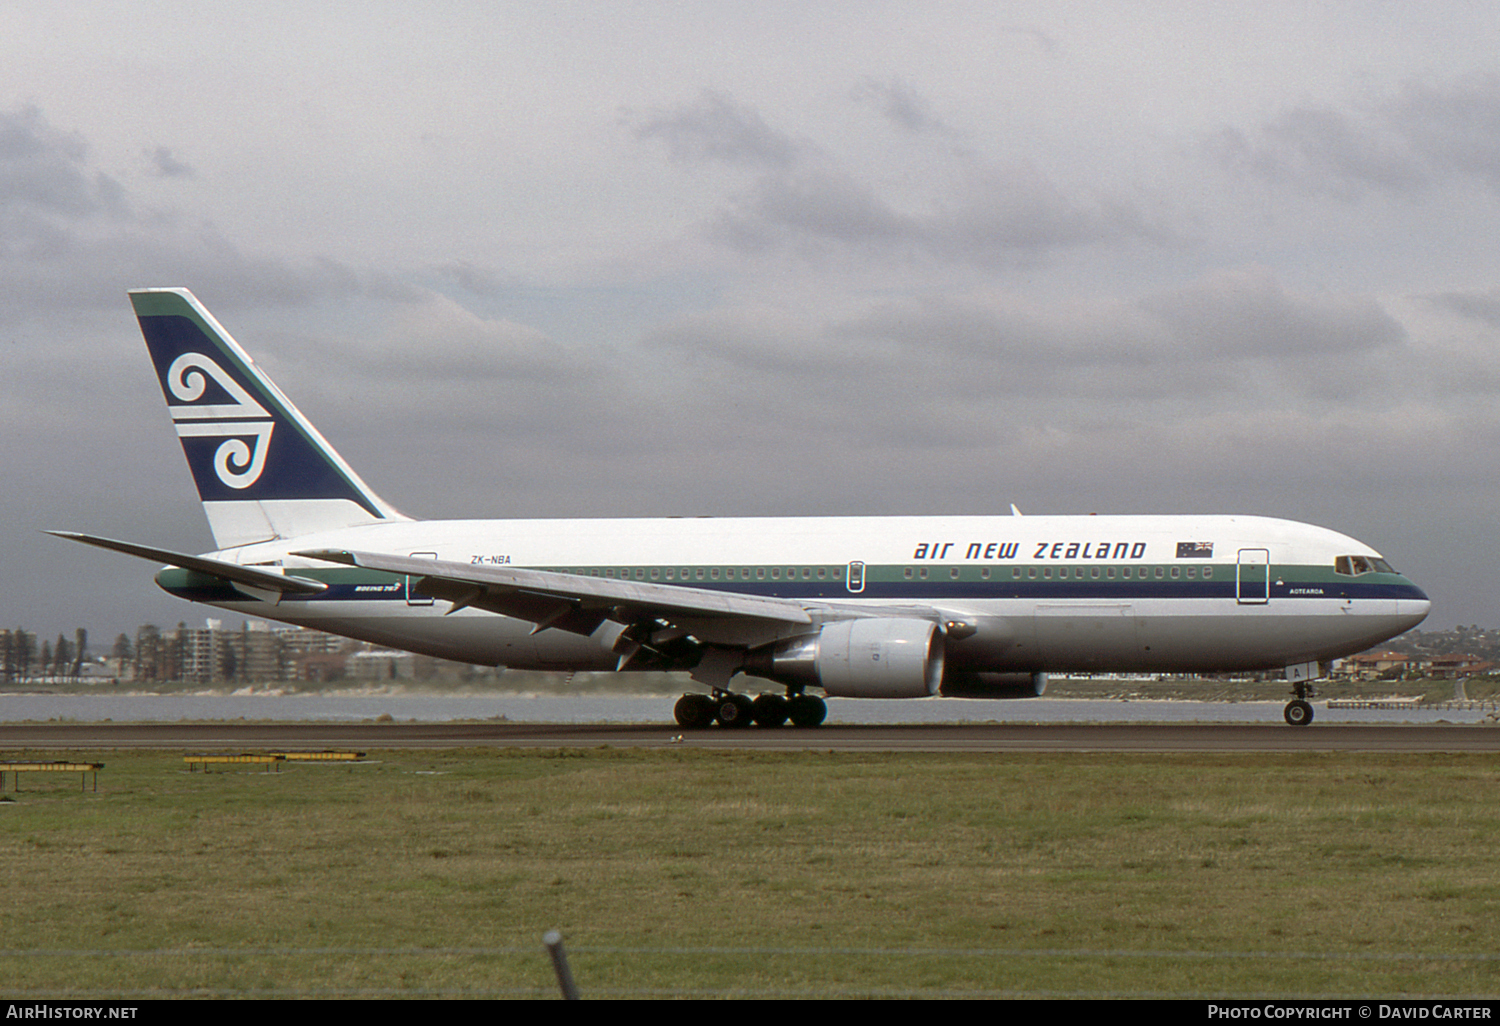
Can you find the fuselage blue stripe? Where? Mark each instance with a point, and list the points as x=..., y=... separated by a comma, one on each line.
x=203, y=589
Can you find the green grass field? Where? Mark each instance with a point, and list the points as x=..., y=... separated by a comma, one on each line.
x=724, y=874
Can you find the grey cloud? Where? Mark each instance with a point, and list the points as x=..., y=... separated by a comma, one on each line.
x=997, y=215
x=1324, y=151
x=1018, y=208
x=766, y=343
x=1477, y=306
x=422, y=375
x=823, y=206
x=989, y=351
x=48, y=193
x=804, y=200
x=1044, y=42
x=1456, y=127
x=1246, y=312
x=44, y=170
x=1235, y=331
x=68, y=237
x=717, y=128
x=478, y=281
x=899, y=104
x=165, y=165
x=1402, y=146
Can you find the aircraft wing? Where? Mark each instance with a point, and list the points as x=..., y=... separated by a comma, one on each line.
x=568, y=602
x=249, y=576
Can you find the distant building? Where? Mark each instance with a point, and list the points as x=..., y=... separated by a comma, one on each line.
x=258, y=653
x=1375, y=665
x=1458, y=665
x=320, y=667
x=381, y=664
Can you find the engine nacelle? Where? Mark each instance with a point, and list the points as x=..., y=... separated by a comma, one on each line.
x=874, y=657
x=994, y=685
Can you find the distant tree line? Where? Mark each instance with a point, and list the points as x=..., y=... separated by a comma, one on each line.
x=20, y=658
x=183, y=653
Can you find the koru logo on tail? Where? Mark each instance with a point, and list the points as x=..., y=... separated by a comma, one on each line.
x=244, y=423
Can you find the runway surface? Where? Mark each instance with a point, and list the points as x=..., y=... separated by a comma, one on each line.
x=67, y=737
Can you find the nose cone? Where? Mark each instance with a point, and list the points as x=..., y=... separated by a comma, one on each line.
x=1412, y=606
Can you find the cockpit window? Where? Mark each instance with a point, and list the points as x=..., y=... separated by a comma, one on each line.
x=1353, y=566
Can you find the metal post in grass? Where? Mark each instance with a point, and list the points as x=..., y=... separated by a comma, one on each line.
x=553, y=940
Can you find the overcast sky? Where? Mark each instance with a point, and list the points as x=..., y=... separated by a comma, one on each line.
x=597, y=259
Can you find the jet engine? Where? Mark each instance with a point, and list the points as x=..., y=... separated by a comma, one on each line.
x=874, y=657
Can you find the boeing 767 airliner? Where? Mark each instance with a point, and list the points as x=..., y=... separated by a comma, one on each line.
x=855, y=607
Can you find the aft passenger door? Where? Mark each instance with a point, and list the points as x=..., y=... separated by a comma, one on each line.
x=1252, y=577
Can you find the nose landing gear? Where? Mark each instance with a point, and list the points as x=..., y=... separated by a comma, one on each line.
x=1299, y=712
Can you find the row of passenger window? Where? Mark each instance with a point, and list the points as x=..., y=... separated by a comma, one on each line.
x=1078, y=573
x=824, y=573
x=711, y=573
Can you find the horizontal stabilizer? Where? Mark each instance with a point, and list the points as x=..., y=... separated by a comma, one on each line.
x=249, y=576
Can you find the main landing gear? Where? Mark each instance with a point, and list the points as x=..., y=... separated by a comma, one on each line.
x=1298, y=712
x=727, y=709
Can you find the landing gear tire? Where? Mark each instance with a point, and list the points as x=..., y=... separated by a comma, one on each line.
x=734, y=710
x=694, y=712
x=807, y=710
x=1298, y=713
x=770, y=710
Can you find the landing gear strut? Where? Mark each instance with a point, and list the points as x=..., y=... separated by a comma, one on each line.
x=1298, y=712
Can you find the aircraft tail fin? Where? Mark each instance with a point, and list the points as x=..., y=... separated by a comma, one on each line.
x=262, y=470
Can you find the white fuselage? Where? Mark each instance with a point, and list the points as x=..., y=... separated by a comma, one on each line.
x=1024, y=594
